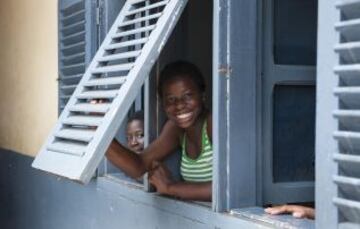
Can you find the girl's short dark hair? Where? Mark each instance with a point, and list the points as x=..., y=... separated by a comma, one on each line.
x=181, y=68
x=137, y=115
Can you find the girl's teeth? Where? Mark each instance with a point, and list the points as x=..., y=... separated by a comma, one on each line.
x=182, y=116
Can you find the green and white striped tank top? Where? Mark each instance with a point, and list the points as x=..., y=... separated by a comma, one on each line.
x=199, y=169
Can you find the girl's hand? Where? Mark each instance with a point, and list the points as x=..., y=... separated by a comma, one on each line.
x=160, y=177
x=296, y=210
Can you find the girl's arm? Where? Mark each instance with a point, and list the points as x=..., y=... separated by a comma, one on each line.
x=160, y=177
x=191, y=190
x=135, y=165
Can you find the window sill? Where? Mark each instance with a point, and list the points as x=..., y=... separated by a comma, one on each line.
x=197, y=211
x=287, y=221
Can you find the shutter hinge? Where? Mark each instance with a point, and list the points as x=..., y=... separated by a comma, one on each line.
x=225, y=70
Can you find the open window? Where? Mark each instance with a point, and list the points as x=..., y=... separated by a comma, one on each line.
x=191, y=40
x=264, y=86
x=117, y=72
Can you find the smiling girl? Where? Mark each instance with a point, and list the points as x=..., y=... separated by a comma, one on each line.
x=182, y=92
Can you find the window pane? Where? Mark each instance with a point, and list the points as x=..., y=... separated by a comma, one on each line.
x=293, y=133
x=295, y=29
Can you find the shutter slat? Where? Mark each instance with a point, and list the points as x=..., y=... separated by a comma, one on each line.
x=142, y=19
x=120, y=56
x=71, y=77
x=349, y=52
x=350, y=29
x=65, y=96
x=149, y=7
x=68, y=148
x=347, y=91
x=68, y=87
x=73, y=8
x=72, y=46
x=134, y=31
x=108, y=94
x=347, y=180
x=126, y=44
x=347, y=69
x=347, y=135
x=350, y=8
x=76, y=134
x=133, y=2
x=83, y=120
x=73, y=38
x=80, y=66
x=67, y=90
x=114, y=68
x=73, y=25
x=75, y=16
x=106, y=81
x=347, y=203
x=95, y=108
x=347, y=113
x=346, y=158
x=77, y=57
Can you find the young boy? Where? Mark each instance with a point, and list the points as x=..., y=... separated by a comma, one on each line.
x=135, y=132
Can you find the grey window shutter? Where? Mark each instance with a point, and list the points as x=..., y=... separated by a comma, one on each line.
x=347, y=91
x=84, y=130
x=77, y=44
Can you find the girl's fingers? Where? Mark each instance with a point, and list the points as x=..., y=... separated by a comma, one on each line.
x=155, y=165
x=299, y=214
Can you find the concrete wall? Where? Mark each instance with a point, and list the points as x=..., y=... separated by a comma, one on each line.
x=28, y=73
x=34, y=200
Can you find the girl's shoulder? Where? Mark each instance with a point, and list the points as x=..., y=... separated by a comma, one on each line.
x=170, y=128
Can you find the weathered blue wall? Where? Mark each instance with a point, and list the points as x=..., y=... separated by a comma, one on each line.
x=33, y=200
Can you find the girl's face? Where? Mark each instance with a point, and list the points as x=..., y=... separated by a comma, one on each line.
x=135, y=135
x=182, y=101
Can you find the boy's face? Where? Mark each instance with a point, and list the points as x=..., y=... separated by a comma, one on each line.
x=135, y=135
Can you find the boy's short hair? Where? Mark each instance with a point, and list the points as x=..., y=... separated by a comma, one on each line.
x=181, y=68
x=137, y=115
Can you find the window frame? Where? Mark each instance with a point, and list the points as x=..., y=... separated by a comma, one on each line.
x=236, y=79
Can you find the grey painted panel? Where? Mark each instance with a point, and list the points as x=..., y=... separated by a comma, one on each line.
x=235, y=79
x=290, y=72
x=242, y=102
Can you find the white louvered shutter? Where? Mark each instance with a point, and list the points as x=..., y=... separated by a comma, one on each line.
x=77, y=43
x=348, y=115
x=84, y=130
